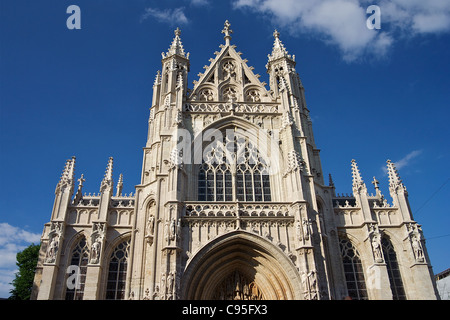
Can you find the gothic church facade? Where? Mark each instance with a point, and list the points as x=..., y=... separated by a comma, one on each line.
x=232, y=204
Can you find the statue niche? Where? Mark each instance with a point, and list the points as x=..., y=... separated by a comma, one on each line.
x=237, y=287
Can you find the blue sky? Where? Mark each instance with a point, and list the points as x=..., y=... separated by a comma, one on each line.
x=373, y=95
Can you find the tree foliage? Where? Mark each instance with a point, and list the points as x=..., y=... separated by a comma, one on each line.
x=26, y=260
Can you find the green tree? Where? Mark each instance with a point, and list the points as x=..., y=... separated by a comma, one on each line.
x=26, y=260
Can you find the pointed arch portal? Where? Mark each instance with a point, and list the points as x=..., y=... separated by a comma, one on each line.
x=240, y=266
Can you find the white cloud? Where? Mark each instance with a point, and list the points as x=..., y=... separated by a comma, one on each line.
x=343, y=22
x=199, y=2
x=12, y=240
x=171, y=16
x=405, y=161
x=417, y=16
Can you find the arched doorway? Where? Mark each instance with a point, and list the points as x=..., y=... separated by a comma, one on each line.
x=240, y=266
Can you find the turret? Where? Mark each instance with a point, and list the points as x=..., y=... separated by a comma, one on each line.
x=398, y=191
x=64, y=191
x=175, y=62
x=360, y=192
x=119, y=186
x=169, y=90
x=106, y=190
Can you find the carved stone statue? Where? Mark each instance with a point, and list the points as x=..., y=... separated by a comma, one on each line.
x=307, y=228
x=151, y=225
x=52, y=249
x=54, y=241
x=97, y=237
x=170, y=281
x=173, y=229
x=237, y=287
x=376, y=248
x=417, y=249
x=298, y=232
x=95, y=250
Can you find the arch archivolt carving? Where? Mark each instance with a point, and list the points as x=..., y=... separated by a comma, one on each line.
x=240, y=265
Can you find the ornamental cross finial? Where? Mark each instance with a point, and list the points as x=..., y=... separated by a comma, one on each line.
x=227, y=31
x=176, y=47
x=276, y=34
x=278, y=50
x=375, y=183
x=80, y=181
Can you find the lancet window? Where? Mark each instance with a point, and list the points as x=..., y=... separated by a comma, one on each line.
x=353, y=270
x=117, y=272
x=233, y=169
x=78, y=263
x=395, y=278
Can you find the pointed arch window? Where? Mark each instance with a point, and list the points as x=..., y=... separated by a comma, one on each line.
x=395, y=278
x=233, y=169
x=117, y=272
x=80, y=259
x=353, y=271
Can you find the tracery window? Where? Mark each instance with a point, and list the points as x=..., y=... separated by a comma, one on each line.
x=233, y=169
x=229, y=94
x=395, y=279
x=206, y=95
x=353, y=270
x=117, y=272
x=253, y=96
x=80, y=259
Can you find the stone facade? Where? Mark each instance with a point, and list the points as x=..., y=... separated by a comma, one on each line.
x=232, y=204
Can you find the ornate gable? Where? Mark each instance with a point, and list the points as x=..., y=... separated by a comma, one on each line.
x=228, y=78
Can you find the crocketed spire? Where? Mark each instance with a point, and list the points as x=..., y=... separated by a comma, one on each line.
x=395, y=183
x=176, y=48
x=107, y=181
x=119, y=186
x=358, y=183
x=68, y=174
x=278, y=50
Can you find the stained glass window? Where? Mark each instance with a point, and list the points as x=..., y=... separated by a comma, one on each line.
x=395, y=279
x=353, y=270
x=233, y=158
x=117, y=272
x=80, y=259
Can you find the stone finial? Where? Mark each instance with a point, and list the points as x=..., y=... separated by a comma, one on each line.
x=358, y=183
x=80, y=182
x=395, y=183
x=330, y=179
x=176, y=48
x=68, y=174
x=375, y=183
x=227, y=31
x=278, y=50
x=157, y=78
x=107, y=181
x=119, y=186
